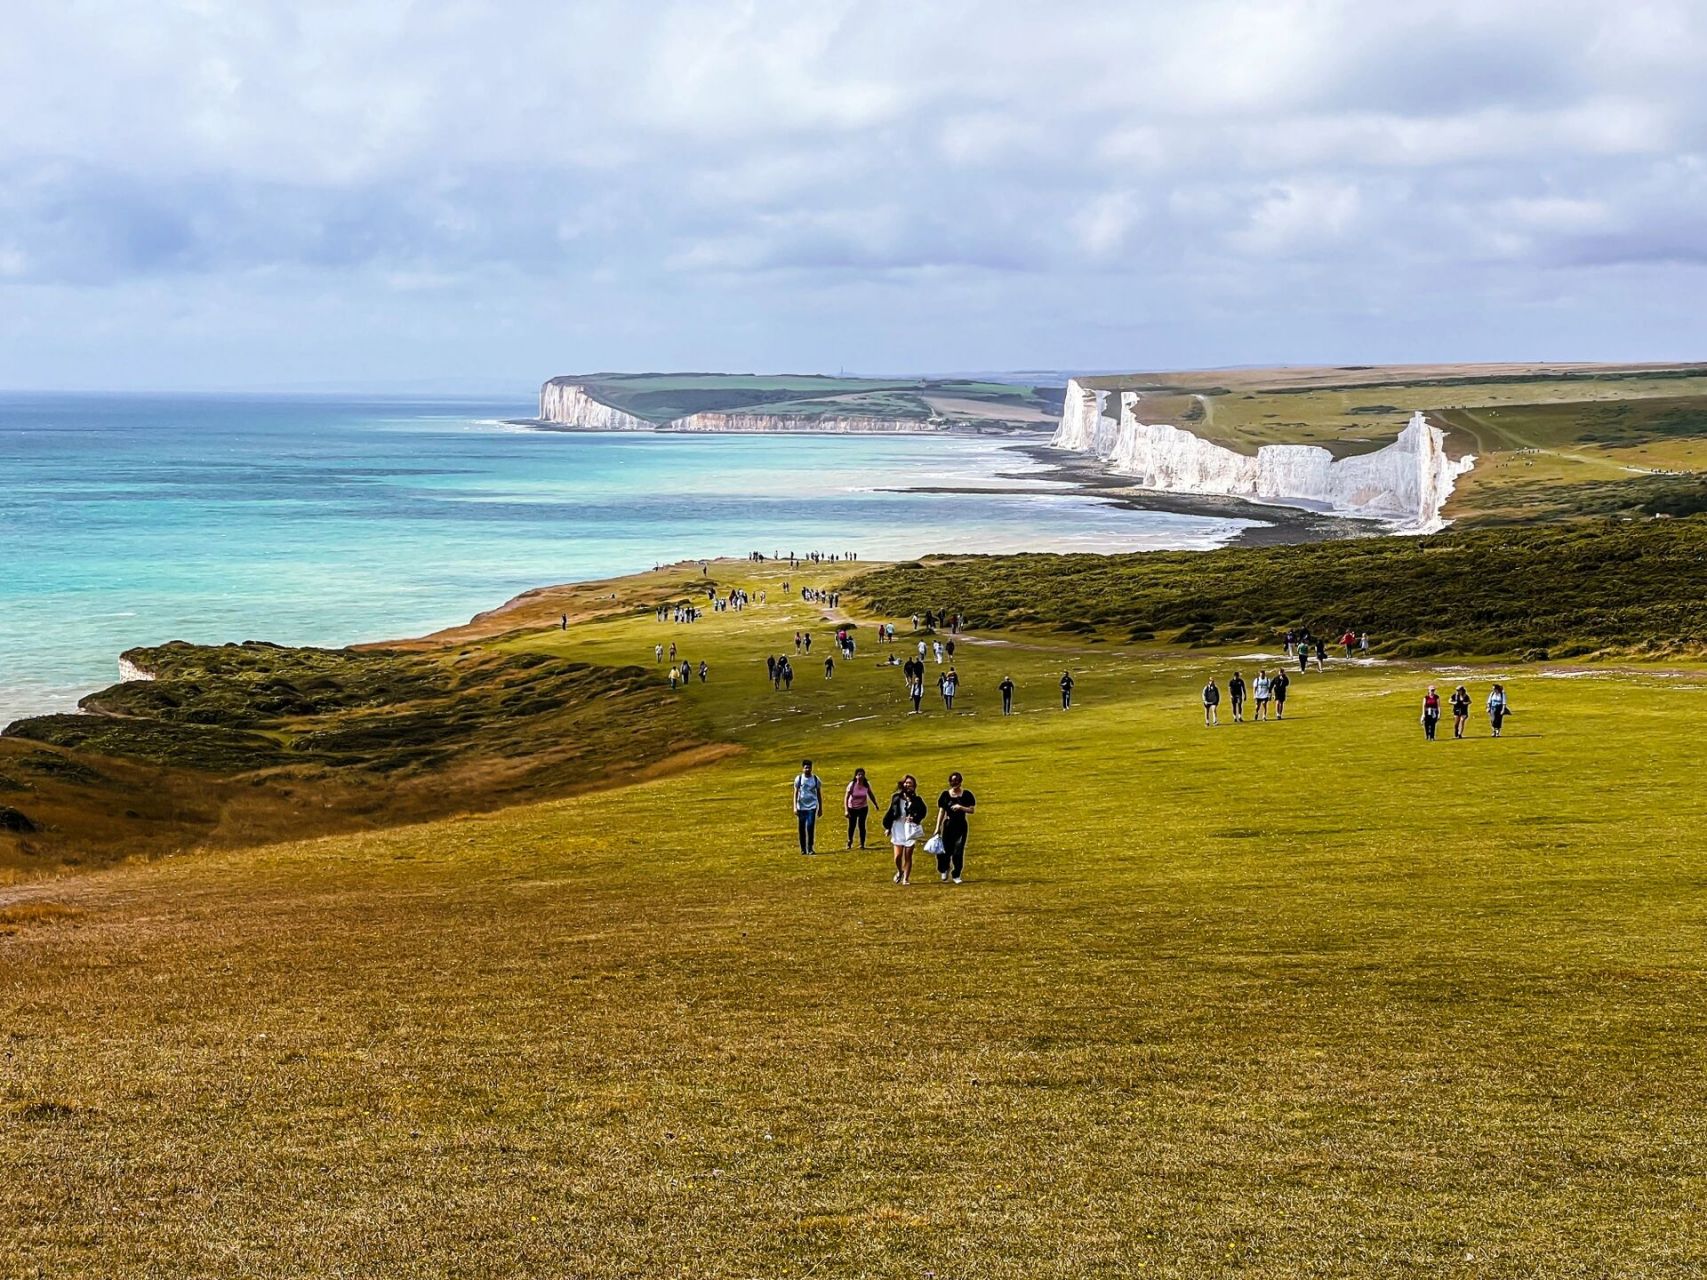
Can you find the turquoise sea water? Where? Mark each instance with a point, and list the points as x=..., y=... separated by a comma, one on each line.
x=140, y=519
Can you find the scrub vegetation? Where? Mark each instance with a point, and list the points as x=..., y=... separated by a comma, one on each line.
x=1302, y=998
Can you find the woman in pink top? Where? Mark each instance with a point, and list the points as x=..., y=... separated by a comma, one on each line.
x=857, y=802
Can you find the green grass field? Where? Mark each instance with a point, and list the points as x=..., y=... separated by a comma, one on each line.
x=1314, y=998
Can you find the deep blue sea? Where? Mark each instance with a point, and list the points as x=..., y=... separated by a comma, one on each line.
x=130, y=520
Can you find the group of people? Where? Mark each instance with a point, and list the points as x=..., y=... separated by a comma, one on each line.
x=1267, y=691
x=903, y=820
x=1498, y=709
x=933, y=618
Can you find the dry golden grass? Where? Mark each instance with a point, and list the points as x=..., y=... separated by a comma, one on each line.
x=1307, y=999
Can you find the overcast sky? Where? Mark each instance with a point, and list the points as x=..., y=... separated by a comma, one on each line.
x=272, y=193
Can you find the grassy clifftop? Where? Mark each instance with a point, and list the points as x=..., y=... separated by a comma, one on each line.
x=1564, y=591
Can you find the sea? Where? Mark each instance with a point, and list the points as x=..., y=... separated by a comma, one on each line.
x=137, y=519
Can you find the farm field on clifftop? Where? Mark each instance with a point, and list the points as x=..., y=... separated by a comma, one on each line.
x=1302, y=998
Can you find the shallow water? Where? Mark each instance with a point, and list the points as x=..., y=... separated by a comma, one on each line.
x=130, y=520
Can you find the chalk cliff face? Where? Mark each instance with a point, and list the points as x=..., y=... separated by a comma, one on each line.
x=1083, y=427
x=1407, y=482
x=565, y=401
x=568, y=403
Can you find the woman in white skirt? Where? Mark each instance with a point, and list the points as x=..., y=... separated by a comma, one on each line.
x=905, y=824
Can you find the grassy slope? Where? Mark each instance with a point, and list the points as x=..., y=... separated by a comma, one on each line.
x=662, y=397
x=1299, y=999
x=1555, y=442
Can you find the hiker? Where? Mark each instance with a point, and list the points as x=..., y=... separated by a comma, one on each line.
x=1236, y=695
x=916, y=691
x=1363, y=642
x=808, y=802
x=1277, y=688
x=1286, y=646
x=856, y=803
x=829, y=666
x=953, y=807
x=1260, y=691
x=1321, y=655
x=1460, y=710
x=657, y=653
x=1431, y=712
x=687, y=672
x=704, y=670
x=936, y=649
x=1498, y=708
x=787, y=669
x=674, y=675
x=1007, y=688
x=1211, y=703
x=1349, y=640
x=903, y=821
x=948, y=683
x=565, y=622
x=1066, y=690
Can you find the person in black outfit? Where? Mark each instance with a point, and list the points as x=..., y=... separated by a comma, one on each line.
x=1236, y=695
x=1007, y=688
x=954, y=806
x=1277, y=687
x=1066, y=690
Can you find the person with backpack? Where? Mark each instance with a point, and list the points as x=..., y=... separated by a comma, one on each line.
x=1007, y=688
x=1431, y=712
x=856, y=803
x=1498, y=708
x=1066, y=690
x=1460, y=710
x=1211, y=703
x=904, y=821
x=1236, y=695
x=808, y=804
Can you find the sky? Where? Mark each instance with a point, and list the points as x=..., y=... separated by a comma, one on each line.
x=479, y=194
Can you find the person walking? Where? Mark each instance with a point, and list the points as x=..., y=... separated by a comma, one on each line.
x=808, y=804
x=787, y=673
x=1066, y=690
x=1211, y=703
x=1236, y=696
x=704, y=670
x=1460, y=710
x=1321, y=655
x=950, y=685
x=953, y=807
x=1277, y=688
x=1303, y=651
x=1007, y=688
x=904, y=821
x=1260, y=690
x=916, y=691
x=829, y=666
x=1498, y=708
x=856, y=802
x=1431, y=712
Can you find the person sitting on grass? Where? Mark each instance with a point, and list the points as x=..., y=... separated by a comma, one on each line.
x=904, y=821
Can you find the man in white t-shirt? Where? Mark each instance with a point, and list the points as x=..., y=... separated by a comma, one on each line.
x=808, y=804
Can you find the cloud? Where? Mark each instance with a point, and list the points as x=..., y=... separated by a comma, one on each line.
x=1082, y=173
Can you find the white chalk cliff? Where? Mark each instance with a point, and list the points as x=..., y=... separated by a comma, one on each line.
x=568, y=402
x=1406, y=482
x=565, y=402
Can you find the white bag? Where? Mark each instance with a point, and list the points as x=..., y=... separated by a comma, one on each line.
x=935, y=846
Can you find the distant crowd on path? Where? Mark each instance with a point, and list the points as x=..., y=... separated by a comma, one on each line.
x=1497, y=705
x=903, y=820
x=811, y=557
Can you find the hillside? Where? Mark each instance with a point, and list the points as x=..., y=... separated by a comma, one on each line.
x=737, y=402
x=1555, y=441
